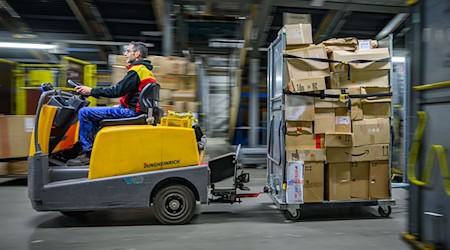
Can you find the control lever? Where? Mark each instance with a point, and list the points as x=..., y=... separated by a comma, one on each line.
x=74, y=83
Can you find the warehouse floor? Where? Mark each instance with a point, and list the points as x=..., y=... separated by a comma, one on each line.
x=253, y=224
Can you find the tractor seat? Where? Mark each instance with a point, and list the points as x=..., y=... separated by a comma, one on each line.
x=137, y=120
x=148, y=100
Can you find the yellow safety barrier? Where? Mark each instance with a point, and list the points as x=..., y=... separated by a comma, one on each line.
x=435, y=149
x=432, y=86
x=411, y=2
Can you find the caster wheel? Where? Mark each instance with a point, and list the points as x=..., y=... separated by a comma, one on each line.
x=293, y=217
x=384, y=211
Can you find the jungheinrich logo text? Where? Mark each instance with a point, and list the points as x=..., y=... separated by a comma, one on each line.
x=160, y=164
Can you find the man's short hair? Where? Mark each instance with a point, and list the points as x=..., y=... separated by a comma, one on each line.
x=140, y=46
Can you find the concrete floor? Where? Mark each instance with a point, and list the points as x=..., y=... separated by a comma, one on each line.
x=253, y=224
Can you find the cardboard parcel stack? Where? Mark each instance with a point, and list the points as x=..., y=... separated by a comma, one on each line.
x=176, y=76
x=358, y=156
x=343, y=142
x=304, y=148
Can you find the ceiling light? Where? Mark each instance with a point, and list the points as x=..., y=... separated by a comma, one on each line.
x=26, y=45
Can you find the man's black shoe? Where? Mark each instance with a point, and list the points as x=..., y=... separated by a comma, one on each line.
x=82, y=160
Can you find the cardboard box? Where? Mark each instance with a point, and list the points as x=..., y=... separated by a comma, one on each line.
x=156, y=61
x=338, y=182
x=348, y=43
x=117, y=73
x=374, y=106
x=379, y=180
x=184, y=95
x=324, y=121
x=166, y=108
x=3, y=168
x=169, y=65
x=307, y=85
x=191, y=69
x=18, y=167
x=359, y=185
x=367, y=44
x=357, y=113
x=370, y=54
x=343, y=122
x=299, y=108
x=165, y=95
x=295, y=154
x=378, y=78
x=179, y=106
x=118, y=60
x=192, y=107
x=299, y=128
x=374, y=91
x=176, y=65
x=375, y=110
x=339, y=140
x=15, y=135
x=313, y=186
x=304, y=68
x=330, y=102
x=173, y=82
x=305, y=141
x=373, y=152
x=104, y=78
x=371, y=131
x=190, y=83
x=294, y=178
x=298, y=34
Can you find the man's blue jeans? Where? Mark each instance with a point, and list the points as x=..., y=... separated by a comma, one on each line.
x=90, y=118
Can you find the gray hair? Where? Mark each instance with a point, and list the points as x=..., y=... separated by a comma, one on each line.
x=140, y=46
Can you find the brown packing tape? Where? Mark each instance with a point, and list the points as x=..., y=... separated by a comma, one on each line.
x=5, y=148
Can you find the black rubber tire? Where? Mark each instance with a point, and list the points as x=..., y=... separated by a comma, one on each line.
x=292, y=217
x=383, y=213
x=174, y=205
x=75, y=213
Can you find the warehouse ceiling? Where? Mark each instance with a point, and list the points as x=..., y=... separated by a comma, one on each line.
x=91, y=29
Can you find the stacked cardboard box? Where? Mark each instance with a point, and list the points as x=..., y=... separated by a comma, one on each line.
x=301, y=141
x=15, y=135
x=359, y=168
x=350, y=135
x=176, y=76
x=178, y=79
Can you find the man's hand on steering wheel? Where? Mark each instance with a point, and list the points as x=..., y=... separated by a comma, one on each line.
x=84, y=90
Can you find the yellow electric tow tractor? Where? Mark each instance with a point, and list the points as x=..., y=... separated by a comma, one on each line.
x=135, y=163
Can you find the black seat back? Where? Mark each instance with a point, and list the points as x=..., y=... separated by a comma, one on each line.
x=149, y=97
x=149, y=100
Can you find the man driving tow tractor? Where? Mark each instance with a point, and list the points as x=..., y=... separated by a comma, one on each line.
x=139, y=74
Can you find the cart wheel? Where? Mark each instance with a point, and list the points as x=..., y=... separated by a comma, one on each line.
x=174, y=204
x=292, y=217
x=384, y=211
x=75, y=213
